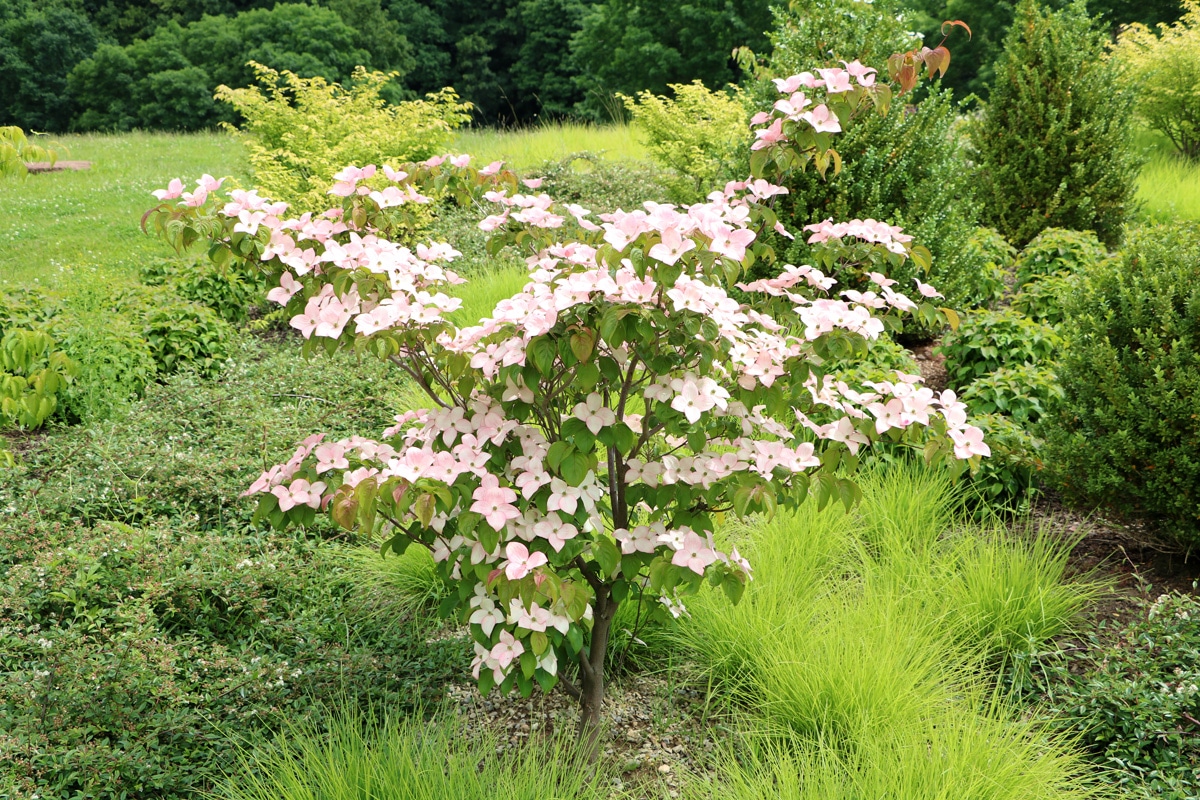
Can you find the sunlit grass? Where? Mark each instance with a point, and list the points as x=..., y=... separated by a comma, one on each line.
x=411, y=759
x=530, y=147
x=1169, y=185
x=61, y=228
x=865, y=650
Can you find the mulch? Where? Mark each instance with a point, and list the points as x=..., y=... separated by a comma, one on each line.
x=36, y=167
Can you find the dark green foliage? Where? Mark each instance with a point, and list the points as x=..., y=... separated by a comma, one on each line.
x=812, y=33
x=37, y=51
x=186, y=335
x=1056, y=250
x=906, y=169
x=1021, y=393
x=1127, y=432
x=167, y=81
x=629, y=46
x=1054, y=147
x=989, y=340
x=116, y=365
x=1133, y=702
x=511, y=58
x=1045, y=298
x=138, y=661
x=148, y=631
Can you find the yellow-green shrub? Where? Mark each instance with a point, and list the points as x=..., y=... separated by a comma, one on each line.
x=697, y=133
x=300, y=131
x=1166, y=70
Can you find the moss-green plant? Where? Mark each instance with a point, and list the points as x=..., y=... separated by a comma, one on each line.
x=1045, y=298
x=1131, y=700
x=186, y=335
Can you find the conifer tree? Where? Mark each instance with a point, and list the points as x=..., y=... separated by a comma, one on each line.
x=1053, y=147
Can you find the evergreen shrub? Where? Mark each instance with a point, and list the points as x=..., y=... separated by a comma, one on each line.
x=1127, y=430
x=1053, y=148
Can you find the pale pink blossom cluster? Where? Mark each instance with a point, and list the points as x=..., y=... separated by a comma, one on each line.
x=869, y=230
x=205, y=185
x=892, y=404
x=799, y=107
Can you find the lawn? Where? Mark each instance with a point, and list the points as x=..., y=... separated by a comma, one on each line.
x=63, y=227
x=1169, y=187
x=525, y=148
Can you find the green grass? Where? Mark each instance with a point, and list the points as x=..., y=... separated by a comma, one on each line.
x=870, y=641
x=532, y=147
x=61, y=228
x=410, y=759
x=1169, y=186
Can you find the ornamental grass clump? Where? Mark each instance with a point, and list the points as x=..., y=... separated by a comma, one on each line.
x=582, y=442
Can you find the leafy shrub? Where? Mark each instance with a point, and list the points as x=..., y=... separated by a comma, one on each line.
x=16, y=149
x=33, y=373
x=231, y=294
x=988, y=340
x=991, y=258
x=1009, y=477
x=1132, y=702
x=1166, y=67
x=138, y=662
x=23, y=307
x=188, y=336
x=1045, y=298
x=300, y=131
x=1058, y=250
x=811, y=32
x=116, y=364
x=167, y=80
x=184, y=450
x=1127, y=431
x=1021, y=392
x=905, y=168
x=1053, y=147
x=697, y=133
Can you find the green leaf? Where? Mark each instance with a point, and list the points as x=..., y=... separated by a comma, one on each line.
x=733, y=589
x=607, y=555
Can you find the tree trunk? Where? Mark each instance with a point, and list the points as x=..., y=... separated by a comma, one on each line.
x=591, y=672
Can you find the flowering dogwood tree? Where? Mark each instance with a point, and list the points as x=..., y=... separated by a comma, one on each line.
x=585, y=440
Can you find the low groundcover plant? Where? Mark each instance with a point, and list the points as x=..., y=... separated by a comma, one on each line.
x=585, y=440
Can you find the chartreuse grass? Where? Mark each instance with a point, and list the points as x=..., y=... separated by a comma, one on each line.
x=523, y=148
x=1169, y=185
x=410, y=759
x=61, y=229
x=866, y=649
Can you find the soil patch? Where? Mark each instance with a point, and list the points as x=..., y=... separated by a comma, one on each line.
x=1124, y=554
x=36, y=167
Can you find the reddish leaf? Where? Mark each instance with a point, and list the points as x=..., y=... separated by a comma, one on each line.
x=956, y=22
